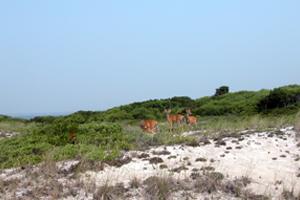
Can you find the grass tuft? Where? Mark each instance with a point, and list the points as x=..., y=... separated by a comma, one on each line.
x=159, y=187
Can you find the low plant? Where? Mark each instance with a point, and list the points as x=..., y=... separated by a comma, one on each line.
x=159, y=187
x=134, y=183
x=297, y=124
x=94, y=142
x=108, y=192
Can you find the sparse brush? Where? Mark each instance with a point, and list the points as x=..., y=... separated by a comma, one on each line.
x=74, y=187
x=193, y=142
x=232, y=188
x=56, y=191
x=104, y=193
x=288, y=194
x=86, y=164
x=236, y=187
x=215, y=175
x=108, y=192
x=206, y=184
x=159, y=187
x=250, y=195
x=209, y=182
x=2, y=184
x=244, y=180
x=234, y=124
x=297, y=124
x=10, y=185
x=48, y=168
x=90, y=186
x=134, y=183
x=16, y=126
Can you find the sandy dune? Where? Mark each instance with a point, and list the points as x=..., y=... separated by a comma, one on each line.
x=269, y=159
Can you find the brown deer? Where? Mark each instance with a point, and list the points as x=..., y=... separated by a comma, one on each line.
x=149, y=126
x=191, y=120
x=173, y=118
x=72, y=137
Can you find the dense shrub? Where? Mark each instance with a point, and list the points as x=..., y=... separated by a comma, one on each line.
x=117, y=114
x=182, y=102
x=222, y=90
x=143, y=113
x=239, y=103
x=283, y=97
x=281, y=100
x=4, y=118
x=100, y=134
x=93, y=141
x=43, y=119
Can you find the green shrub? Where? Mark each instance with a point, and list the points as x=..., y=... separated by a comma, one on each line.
x=94, y=141
x=283, y=97
x=91, y=152
x=222, y=90
x=238, y=103
x=67, y=151
x=116, y=114
x=43, y=119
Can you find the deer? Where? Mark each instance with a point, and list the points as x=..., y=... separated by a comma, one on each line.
x=149, y=126
x=72, y=137
x=190, y=120
x=173, y=118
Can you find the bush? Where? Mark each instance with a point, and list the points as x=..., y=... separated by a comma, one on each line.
x=94, y=141
x=143, y=113
x=43, y=119
x=285, y=100
x=238, y=103
x=116, y=114
x=283, y=97
x=222, y=90
x=100, y=135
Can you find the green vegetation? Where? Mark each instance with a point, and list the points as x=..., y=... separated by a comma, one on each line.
x=222, y=90
x=94, y=141
x=234, y=124
x=238, y=103
x=103, y=135
x=285, y=98
x=10, y=124
x=243, y=103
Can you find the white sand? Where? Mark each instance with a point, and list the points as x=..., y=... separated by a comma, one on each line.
x=270, y=162
x=254, y=160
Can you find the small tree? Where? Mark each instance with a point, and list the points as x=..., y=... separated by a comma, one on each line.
x=279, y=98
x=222, y=90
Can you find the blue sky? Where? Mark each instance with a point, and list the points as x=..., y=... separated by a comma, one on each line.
x=64, y=56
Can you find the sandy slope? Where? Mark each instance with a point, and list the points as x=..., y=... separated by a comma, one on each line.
x=270, y=160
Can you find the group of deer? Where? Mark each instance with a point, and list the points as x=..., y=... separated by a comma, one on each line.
x=151, y=125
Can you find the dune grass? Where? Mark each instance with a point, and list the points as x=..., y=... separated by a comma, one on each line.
x=94, y=141
x=297, y=123
x=16, y=126
x=98, y=141
x=240, y=123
